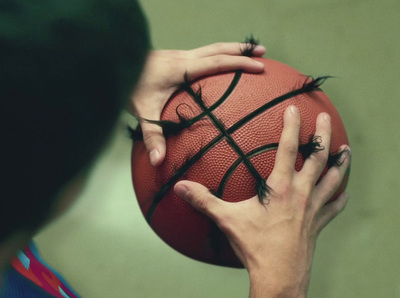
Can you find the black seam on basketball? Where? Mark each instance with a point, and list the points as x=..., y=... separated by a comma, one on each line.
x=224, y=96
x=219, y=193
x=262, y=187
x=179, y=173
x=170, y=127
x=313, y=146
x=249, y=44
x=307, y=87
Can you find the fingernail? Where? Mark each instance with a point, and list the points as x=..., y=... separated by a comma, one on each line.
x=294, y=110
x=181, y=191
x=327, y=117
x=154, y=156
x=259, y=48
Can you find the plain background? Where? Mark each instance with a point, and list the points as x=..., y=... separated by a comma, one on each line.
x=104, y=247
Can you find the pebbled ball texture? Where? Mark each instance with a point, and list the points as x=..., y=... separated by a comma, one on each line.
x=207, y=151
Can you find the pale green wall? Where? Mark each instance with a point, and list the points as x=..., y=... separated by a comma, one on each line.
x=105, y=248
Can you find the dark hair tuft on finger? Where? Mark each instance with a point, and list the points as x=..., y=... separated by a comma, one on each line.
x=263, y=190
x=335, y=158
x=248, y=48
x=313, y=146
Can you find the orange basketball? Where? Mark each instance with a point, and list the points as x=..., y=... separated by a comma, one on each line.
x=223, y=132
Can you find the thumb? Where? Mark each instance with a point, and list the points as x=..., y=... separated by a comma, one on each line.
x=154, y=142
x=200, y=198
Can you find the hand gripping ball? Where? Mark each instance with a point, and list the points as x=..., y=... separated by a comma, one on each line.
x=223, y=132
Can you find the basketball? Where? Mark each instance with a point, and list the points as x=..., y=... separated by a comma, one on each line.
x=223, y=131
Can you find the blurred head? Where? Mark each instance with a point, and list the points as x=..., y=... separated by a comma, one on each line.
x=67, y=67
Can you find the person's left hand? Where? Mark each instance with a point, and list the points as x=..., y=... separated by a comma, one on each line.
x=165, y=71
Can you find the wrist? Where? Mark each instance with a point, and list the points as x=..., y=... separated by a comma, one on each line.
x=276, y=285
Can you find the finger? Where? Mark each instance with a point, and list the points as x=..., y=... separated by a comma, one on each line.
x=332, y=180
x=316, y=162
x=288, y=145
x=222, y=63
x=154, y=142
x=258, y=50
x=227, y=48
x=330, y=211
x=200, y=198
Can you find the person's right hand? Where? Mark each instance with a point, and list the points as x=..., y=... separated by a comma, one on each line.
x=275, y=240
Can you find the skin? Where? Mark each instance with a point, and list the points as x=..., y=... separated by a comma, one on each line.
x=276, y=240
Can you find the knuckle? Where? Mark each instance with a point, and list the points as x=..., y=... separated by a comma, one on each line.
x=334, y=182
x=219, y=46
x=336, y=178
x=339, y=206
x=148, y=140
x=303, y=196
x=290, y=149
x=152, y=140
x=319, y=158
x=218, y=60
